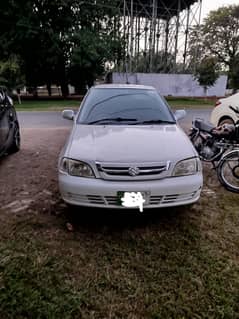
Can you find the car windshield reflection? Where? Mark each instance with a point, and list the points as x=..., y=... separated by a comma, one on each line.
x=119, y=106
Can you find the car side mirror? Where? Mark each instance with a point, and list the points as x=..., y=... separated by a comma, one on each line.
x=68, y=114
x=179, y=114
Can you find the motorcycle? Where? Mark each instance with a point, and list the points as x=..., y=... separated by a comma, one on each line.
x=220, y=146
x=210, y=141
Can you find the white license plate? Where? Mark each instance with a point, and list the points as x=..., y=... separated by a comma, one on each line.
x=132, y=199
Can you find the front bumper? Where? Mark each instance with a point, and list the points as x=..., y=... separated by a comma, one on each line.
x=167, y=192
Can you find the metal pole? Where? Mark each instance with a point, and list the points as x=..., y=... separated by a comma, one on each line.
x=135, y=34
x=199, y=21
x=186, y=39
x=146, y=29
x=124, y=37
x=138, y=42
x=200, y=12
x=132, y=33
x=152, y=36
x=154, y=24
x=145, y=34
x=176, y=33
x=158, y=35
x=166, y=43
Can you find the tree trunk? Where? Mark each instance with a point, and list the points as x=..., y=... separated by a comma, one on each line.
x=80, y=89
x=19, y=98
x=63, y=77
x=35, y=93
x=205, y=92
x=231, y=77
x=64, y=89
x=49, y=88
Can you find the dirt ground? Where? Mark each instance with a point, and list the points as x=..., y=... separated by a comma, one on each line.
x=28, y=179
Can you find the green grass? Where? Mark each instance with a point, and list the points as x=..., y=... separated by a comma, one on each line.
x=48, y=105
x=177, y=263
x=35, y=286
x=190, y=103
x=51, y=105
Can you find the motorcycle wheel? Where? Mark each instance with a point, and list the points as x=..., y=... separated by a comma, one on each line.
x=228, y=171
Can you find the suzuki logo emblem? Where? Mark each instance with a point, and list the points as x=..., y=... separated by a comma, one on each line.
x=133, y=171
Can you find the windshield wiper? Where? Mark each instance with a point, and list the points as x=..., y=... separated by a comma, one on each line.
x=113, y=119
x=155, y=122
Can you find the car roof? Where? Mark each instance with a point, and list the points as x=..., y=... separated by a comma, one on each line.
x=124, y=86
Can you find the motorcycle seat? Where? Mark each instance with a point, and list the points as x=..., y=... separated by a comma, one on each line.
x=203, y=126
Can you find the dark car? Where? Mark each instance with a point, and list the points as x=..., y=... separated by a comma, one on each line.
x=9, y=126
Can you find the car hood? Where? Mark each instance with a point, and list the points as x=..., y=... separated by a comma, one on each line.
x=129, y=143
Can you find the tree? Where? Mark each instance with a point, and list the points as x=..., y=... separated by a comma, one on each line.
x=95, y=42
x=88, y=58
x=53, y=37
x=218, y=37
x=11, y=75
x=206, y=73
x=234, y=74
x=36, y=31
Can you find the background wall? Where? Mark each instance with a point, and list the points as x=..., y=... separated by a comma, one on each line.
x=173, y=84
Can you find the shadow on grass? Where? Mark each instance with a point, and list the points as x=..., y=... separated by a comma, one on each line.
x=128, y=224
x=118, y=220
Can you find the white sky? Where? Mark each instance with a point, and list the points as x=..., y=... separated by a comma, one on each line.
x=208, y=5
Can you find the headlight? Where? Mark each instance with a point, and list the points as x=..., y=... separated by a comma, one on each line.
x=187, y=167
x=75, y=168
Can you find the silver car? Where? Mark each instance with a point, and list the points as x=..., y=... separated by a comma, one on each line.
x=126, y=150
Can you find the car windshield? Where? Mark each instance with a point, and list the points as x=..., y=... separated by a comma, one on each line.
x=124, y=106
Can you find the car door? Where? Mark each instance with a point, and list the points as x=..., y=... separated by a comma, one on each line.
x=5, y=125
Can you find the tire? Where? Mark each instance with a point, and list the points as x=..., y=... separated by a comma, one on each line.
x=15, y=146
x=228, y=171
x=227, y=120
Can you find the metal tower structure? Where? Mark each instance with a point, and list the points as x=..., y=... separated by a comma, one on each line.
x=156, y=29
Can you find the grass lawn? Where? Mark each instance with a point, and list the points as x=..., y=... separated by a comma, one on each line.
x=176, y=103
x=47, y=105
x=175, y=263
x=51, y=105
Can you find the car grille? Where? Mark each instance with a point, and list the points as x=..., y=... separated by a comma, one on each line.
x=113, y=200
x=134, y=171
